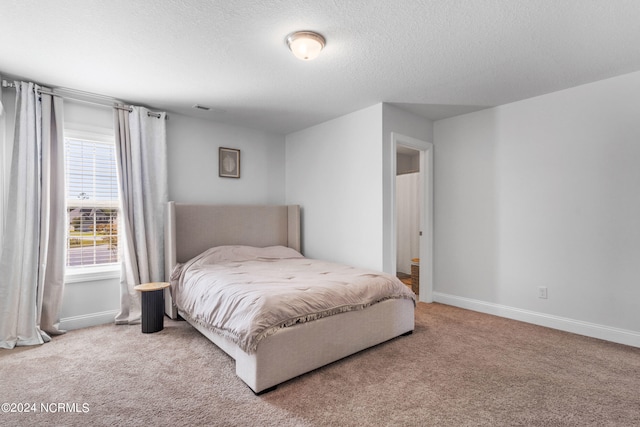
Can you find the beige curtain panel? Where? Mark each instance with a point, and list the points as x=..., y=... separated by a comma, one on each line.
x=33, y=246
x=142, y=170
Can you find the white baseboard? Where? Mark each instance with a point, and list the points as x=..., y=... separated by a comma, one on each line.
x=87, y=320
x=621, y=336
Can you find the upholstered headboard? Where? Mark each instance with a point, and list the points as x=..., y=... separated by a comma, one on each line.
x=192, y=229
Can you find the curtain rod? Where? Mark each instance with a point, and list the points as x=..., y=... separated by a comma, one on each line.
x=128, y=108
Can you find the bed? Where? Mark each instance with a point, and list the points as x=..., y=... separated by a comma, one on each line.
x=285, y=352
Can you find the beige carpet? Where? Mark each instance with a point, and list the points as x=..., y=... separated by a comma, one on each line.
x=459, y=368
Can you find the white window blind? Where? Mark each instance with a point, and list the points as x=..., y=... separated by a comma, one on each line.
x=92, y=203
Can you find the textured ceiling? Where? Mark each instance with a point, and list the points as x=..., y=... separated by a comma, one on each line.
x=437, y=58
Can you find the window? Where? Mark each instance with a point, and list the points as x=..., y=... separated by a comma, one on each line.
x=92, y=201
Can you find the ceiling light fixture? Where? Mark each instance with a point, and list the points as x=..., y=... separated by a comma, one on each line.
x=305, y=45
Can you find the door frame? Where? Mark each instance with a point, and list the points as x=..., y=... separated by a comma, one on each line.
x=426, y=210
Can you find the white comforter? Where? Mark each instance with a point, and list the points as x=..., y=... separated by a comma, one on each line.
x=246, y=293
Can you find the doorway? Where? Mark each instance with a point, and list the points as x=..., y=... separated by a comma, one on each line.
x=408, y=204
x=412, y=204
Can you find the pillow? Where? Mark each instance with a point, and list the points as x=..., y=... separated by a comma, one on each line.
x=235, y=253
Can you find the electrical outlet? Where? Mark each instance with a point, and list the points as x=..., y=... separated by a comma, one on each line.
x=542, y=292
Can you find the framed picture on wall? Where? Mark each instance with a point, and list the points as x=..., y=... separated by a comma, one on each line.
x=228, y=162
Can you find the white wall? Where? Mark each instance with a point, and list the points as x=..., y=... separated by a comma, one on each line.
x=334, y=172
x=342, y=173
x=193, y=163
x=544, y=192
x=85, y=114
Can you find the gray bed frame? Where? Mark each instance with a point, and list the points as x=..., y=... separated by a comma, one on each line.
x=292, y=351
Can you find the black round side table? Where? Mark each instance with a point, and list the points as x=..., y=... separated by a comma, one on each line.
x=152, y=306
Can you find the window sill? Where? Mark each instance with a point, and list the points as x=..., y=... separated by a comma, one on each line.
x=91, y=274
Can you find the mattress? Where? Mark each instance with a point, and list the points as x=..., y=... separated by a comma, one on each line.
x=246, y=294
